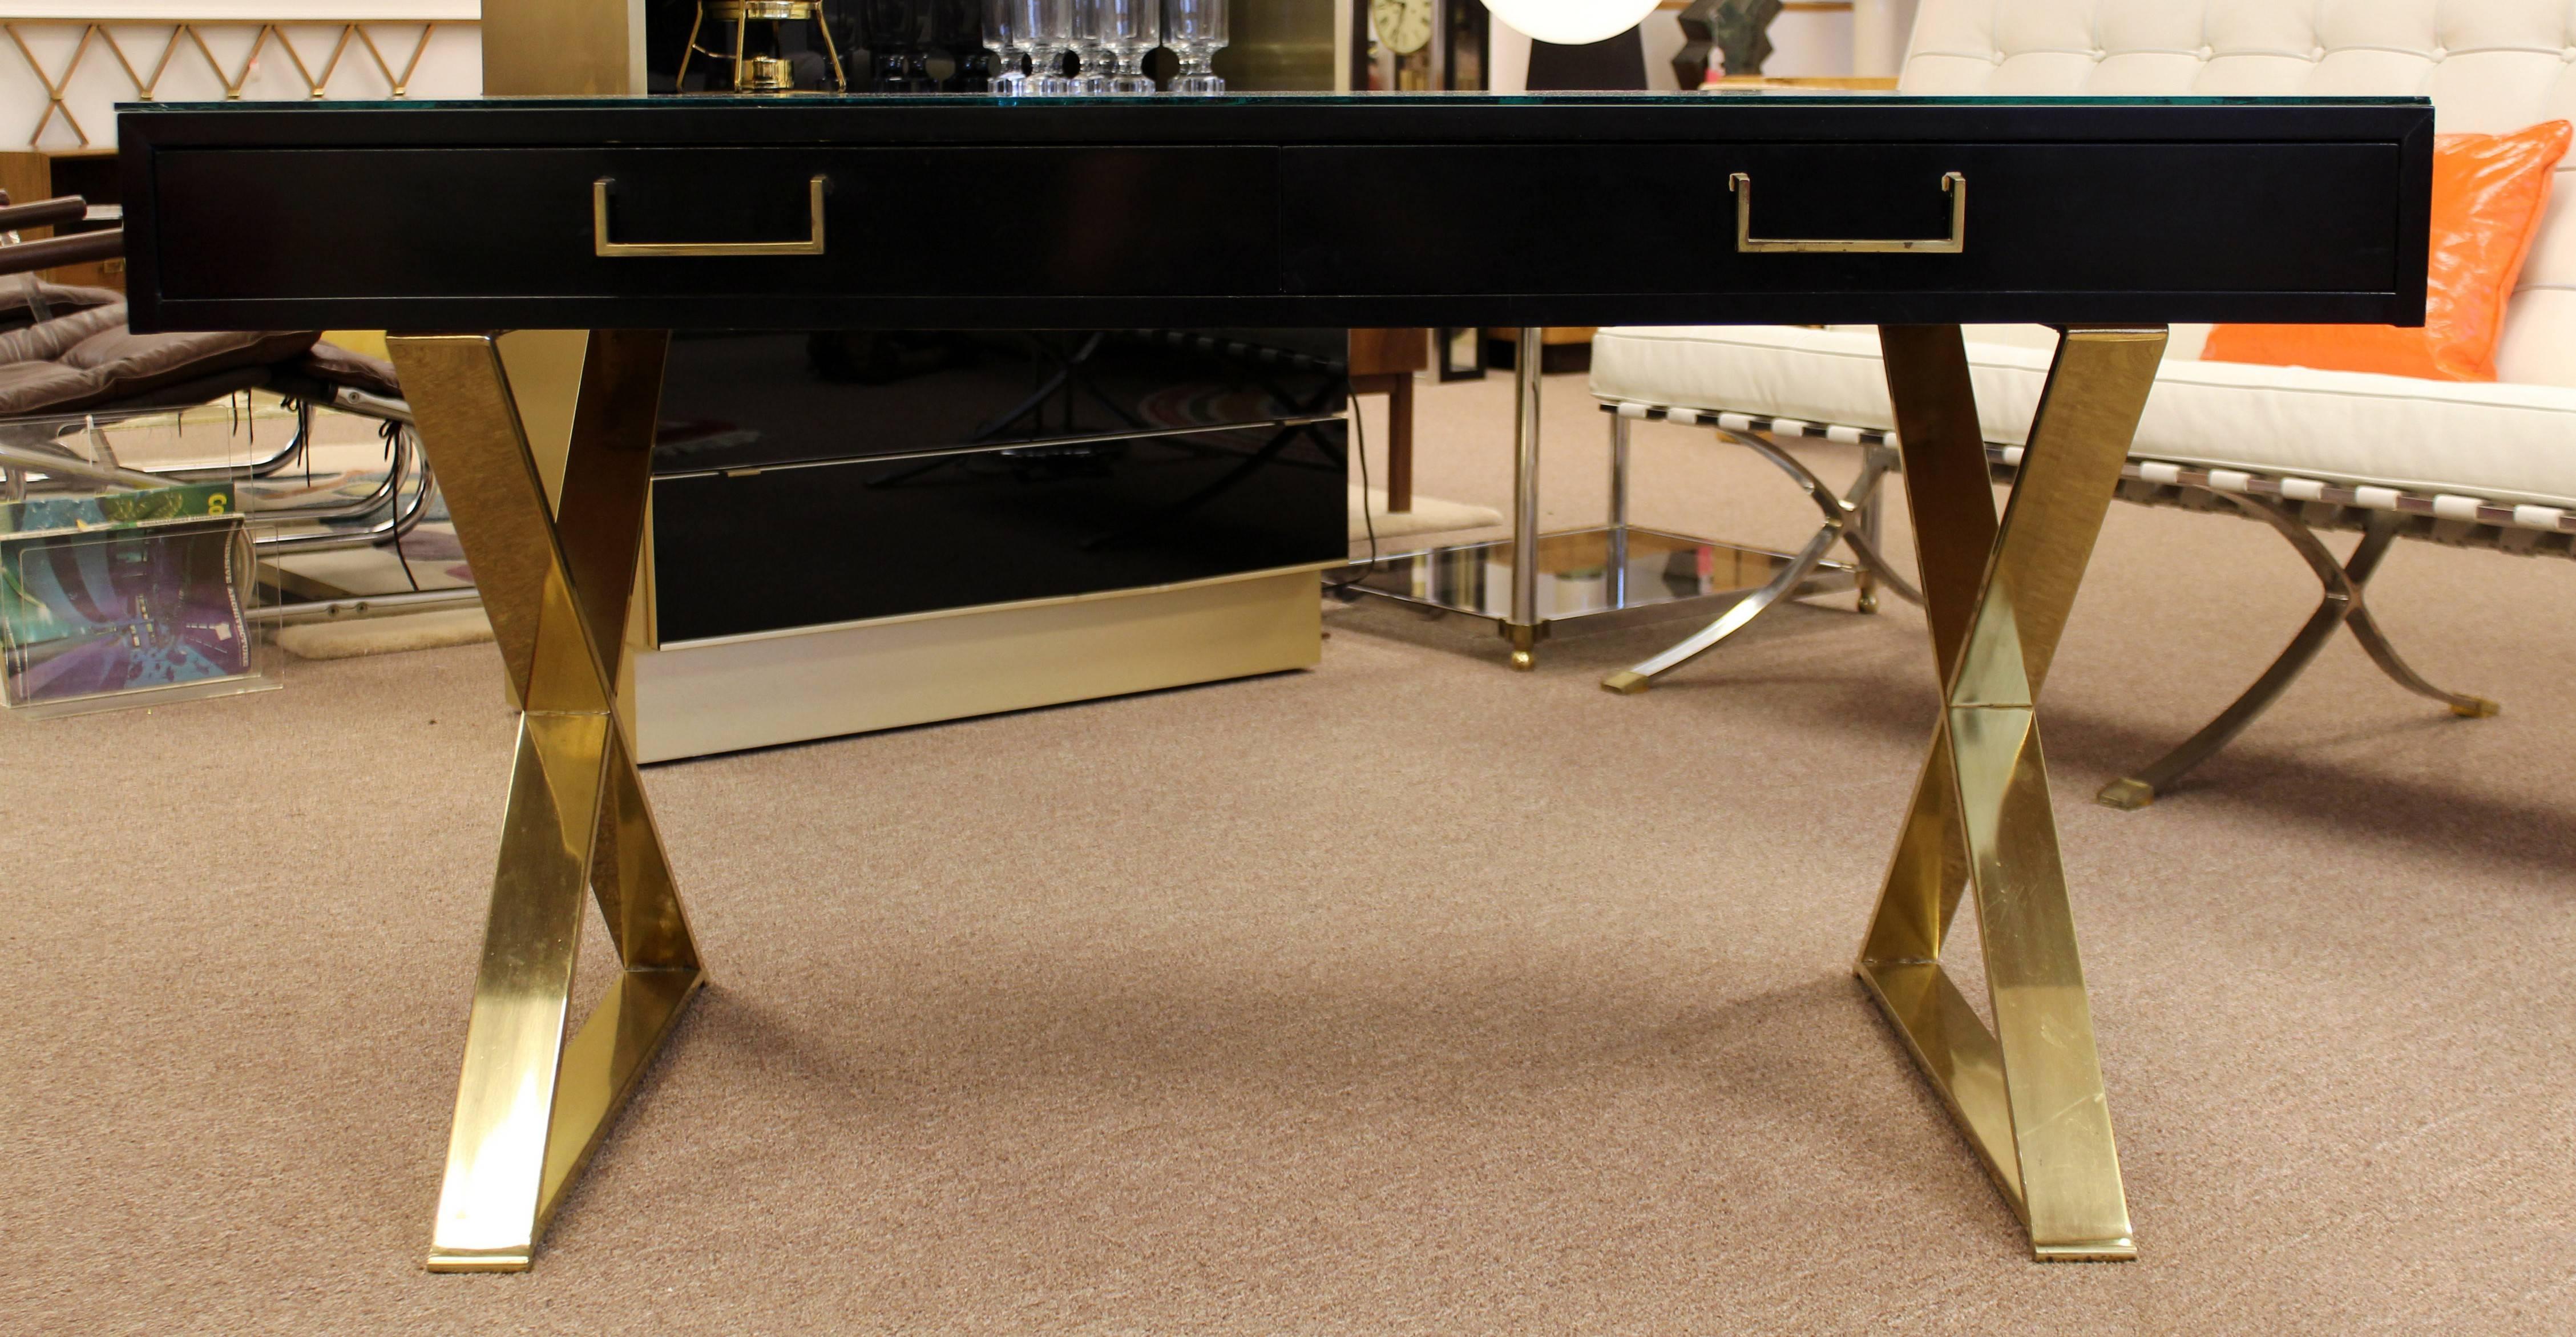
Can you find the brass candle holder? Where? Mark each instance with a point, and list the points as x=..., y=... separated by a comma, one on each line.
x=760, y=74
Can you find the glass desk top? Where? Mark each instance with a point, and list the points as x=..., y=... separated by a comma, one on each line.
x=1713, y=97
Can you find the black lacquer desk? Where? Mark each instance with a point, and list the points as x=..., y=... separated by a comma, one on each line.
x=2104, y=217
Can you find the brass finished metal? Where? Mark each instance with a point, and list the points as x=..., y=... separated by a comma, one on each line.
x=760, y=74
x=530, y=1107
x=812, y=245
x=545, y=47
x=763, y=11
x=765, y=74
x=2028, y=1094
x=1953, y=185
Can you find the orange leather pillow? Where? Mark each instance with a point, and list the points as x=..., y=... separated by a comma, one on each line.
x=2489, y=192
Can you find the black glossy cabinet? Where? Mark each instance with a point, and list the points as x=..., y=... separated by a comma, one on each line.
x=813, y=478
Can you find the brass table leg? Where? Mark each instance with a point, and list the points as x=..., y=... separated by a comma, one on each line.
x=531, y=1107
x=2028, y=1094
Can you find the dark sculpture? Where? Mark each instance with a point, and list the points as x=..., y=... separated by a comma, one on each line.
x=1738, y=30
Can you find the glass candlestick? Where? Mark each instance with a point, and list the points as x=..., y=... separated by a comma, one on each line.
x=1129, y=29
x=1010, y=47
x=1091, y=71
x=1196, y=31
x=1049, y=28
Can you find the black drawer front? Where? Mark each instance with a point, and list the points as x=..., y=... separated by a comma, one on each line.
x=1578, y=218
x=735, y=554
x=966, y=213
x=932, y=221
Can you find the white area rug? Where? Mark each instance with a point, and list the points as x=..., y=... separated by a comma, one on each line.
x=1430, y=515
x=385, y=635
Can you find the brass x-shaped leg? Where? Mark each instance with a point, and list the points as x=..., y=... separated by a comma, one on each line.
x=532, y=1107
x=2029, y=1092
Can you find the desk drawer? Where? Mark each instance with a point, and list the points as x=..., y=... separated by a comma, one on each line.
x=945, y=221
x=1132, y=213
x=741, y=553
x=2196, y=218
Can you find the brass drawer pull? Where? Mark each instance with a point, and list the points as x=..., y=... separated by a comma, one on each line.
x=812, y=245
x=1953, y=185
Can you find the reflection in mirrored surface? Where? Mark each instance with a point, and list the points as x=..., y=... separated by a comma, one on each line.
x=1608, y=577
x=806, y=479
x=735, y=400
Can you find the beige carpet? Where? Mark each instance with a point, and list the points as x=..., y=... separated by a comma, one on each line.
x=1404, y=996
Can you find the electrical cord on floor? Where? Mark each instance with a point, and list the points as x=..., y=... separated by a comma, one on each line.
x=1368, y=520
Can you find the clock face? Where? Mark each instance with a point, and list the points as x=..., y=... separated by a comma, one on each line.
x=1403, y=25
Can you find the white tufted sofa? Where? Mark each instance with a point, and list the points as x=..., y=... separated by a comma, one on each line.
x=2489, y=464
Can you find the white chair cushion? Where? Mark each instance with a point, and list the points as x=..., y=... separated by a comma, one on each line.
x=2489, y=66
x=2503, y=441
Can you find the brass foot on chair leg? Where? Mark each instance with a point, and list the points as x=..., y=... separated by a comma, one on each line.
x=2126, y=795
x=1868, y=602
x=2474, y=708
x=1524, y=647
x=1627, y=682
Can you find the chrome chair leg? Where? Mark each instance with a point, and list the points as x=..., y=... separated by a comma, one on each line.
x=2342, y=606
x=1865, y=527
x=1618, y=509
x=1523, y=627
x=1630, y=681
x=2375, y=643
x=1847, y=519
x=1856, y=508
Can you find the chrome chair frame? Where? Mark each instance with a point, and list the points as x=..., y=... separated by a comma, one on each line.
x=2296, y=508
x=1851, y=518
x=403, y=495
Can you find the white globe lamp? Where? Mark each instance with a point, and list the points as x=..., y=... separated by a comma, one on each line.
x=1571, y=22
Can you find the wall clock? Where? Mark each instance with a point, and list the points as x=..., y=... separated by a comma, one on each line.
x=1403, y=25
